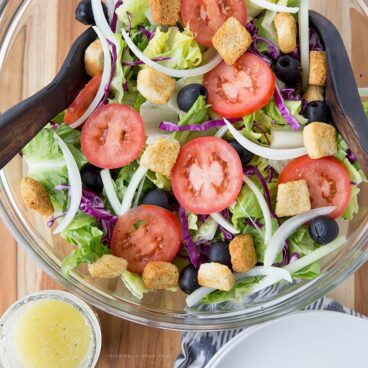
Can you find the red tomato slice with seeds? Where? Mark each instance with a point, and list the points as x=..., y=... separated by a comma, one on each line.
x=207, y=176
x=240, y=89
x=144, y=234
x=328, y=181
x=205, y=17
x=113, y=136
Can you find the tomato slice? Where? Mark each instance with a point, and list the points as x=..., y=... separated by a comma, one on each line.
x=113, y=136
x=146, y=233
x=205, y=17
x=83, y=100
x=240, y=89
x=207, y=176
x=328, y=181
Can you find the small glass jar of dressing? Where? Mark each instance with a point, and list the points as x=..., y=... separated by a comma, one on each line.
x=49, y=329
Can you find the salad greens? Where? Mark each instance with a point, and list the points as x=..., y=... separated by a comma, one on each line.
x=133, y=12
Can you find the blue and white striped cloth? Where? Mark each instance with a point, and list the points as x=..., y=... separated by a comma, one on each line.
x=199, y=347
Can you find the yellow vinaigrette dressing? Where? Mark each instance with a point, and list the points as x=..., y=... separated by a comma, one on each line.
x=52, y=333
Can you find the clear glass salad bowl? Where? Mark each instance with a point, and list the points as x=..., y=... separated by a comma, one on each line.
x=35, y=36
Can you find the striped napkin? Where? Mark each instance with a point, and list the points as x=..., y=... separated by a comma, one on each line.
x=199, y=347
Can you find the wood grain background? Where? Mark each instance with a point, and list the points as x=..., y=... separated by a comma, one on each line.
x=124, y=344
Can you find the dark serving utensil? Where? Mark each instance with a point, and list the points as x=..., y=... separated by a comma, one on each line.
x=23, y=121
x=341, y=91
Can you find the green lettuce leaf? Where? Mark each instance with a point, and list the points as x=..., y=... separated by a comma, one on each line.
x=137, y=10
x=365, y=107
x=159, y=180
x=134, y=283
x=132, y=97
x=183, y=51
x=84, y=232
x=46, y=162
x=206, y=230
x=294, y=107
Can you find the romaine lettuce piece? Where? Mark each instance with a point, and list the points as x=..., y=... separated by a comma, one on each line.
x=136, y=10
x=134, y=283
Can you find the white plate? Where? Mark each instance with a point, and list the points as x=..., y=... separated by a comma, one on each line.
x=311, y=339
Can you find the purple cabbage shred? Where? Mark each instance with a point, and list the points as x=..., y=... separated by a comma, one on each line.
x=149, y=35
x=294, y=257
x=280, y=104
x=315, y=43
x=171, y=127
x=350, y=155
x=140, y=62
x=289, y=94
x=114, y=19
x=271, y=174
x=257, y=126
x=254, y=223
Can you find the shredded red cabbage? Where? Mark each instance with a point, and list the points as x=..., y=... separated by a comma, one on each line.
x=294, y=257
x=54, y=218
x=227, y=235
x=140, y=62
x=203, y=218
x=257, y=126
x=315, y=43
x=271, y=173
x=126, y=86
x=54, y=125
x=114, y=19
x=149, y=35
x=254, y=223
x=253, y=170
x=350, y=155
x=285, y=255
x=171, y=127
x=272, y=50
x=193, y=249
x=288, y=94
x=280, y=104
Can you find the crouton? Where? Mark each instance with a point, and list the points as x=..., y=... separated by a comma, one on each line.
x=292, y=198
x=107, y=267
x=242, y=252
x=231, y=40
x=94, y=58
x=215, y=275
x=160, y=275
x=165, y=12
x=320, y=140
x=161, y=156
x=313, y=93
x=156, y=87
x=285, y=25
x=36, y=197
x=318, y=68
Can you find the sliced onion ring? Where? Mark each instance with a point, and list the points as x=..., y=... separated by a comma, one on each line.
x=303, y=22
x=197, y=295
x=104, y=81
x=274, y=7
x=269, y=153
x=75, y=183
x=221, y=220
x=110, y=191
x=278, y=272
x=216, y=60
x=101, y=21
x=287, y=228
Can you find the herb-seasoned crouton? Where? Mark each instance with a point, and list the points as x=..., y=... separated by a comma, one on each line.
x=160, y=275
x=156, y=87
x=285, y=25
x=215, y=275
x=231, y=40
x=318, y=68
x=320, y=140
x=107, y=267
x=165, y=12
x=242, y=252
x=161, y=156
x=36, y=197
x=94, y=58
x=313, y=93
x=292, y=198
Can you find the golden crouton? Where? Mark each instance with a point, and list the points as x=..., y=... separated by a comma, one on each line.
x=155, y=86
x=161, y=156
x=94, y=58
x=318, y=68
x=165, y=12
x=107, y=267
x=320, y=140
x=292, y=198
x=231, y=40
x=313, y=93
x=36, y=197
x=285, y=25
x=160, y=275
x=215, y=275
x=242, y=252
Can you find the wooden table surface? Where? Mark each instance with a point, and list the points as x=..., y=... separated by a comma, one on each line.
x=124, y=344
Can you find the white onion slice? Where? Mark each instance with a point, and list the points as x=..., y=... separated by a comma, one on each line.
x=264, y=207
x=304, y=39
x=110, y=4
x=278, y=272
x=221, y=220
x=216, y=60
x=269, y=153
x=363, y=92
x=315, y=255
x=274, y=7
x=75, y=184
x=221, y=132
x=132, y=187
x=101, y=21
x=286, y=139
x=197, y=295
x=110, y=190
x=287, y=228
x=139, y=192
x=104, y=81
